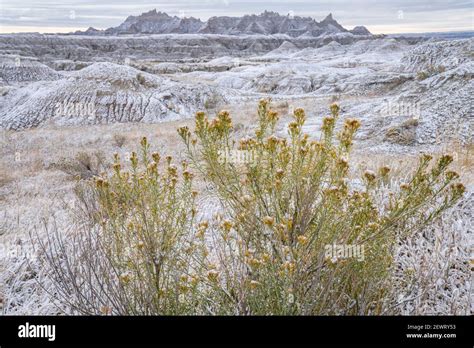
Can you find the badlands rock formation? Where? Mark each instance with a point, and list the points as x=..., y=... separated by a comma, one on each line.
x=103, y=93
x=171, y=67
x=267, y=23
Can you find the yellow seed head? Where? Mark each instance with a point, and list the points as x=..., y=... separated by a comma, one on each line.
x=444, y=161
x=384, y=170
x=302, y=240
x=173, y=171
x=299, y=115
x=426, y=157
x=254, y=262
x=289, y=266
x=293, y=126
x=272, y=116
x=334, y=109
x=184, y=132
x=268, y=220
x=152, y=167
x=328, y=123
x=227, y=225
x=452, y=175
x=188, y=175
x=156, y=157
x=458, y=189
x=263, y=103
x=404, y=186
x=369, y=175
x=373, y=225
x=352, y=124
x=125, y=277
x=194, y=280
x=105, y=310
x=212, y=275
x=99, y=182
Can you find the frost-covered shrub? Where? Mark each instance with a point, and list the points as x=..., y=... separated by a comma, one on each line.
x=138, y=252
x=294, y=235
x=289, y=208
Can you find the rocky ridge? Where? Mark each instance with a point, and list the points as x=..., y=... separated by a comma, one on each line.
x=266, y=23
x=104, y=93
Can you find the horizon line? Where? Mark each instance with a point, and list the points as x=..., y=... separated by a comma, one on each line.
x=71, y=31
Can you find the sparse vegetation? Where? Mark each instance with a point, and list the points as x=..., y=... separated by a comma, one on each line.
x=212, y=101
x=5, y=179
x=144, y=81
x=141, y=79
x=84, y=165
x=403, y=134
x=119, y=140
x=142, y=251
x=430, y=71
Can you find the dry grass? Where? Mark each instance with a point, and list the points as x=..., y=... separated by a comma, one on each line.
x=463, y=155
x=5, y=178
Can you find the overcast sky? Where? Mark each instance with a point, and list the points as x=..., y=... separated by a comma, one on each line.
x=379, y=16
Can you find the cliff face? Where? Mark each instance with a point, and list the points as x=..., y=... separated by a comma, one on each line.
x=266, y=23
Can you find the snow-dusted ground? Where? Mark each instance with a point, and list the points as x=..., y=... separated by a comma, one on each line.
x=410, y=95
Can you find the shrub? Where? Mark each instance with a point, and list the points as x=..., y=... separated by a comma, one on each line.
x=141, y=79
x=287, y=205
x=119, y=140
x=292, y=200
x=84, y=165
x=212, y=101
x=430, y=71
x=138, y=252
x=404, y=134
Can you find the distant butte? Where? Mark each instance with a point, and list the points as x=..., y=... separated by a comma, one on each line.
x=266, y=23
